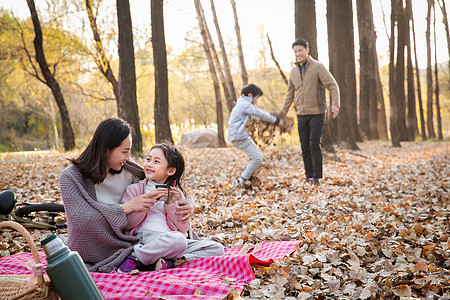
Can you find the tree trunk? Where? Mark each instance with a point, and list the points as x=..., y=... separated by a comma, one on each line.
x=231, y=101
x=244, y=74
x=445, y=22
x=436, y=90
x=411, y=121
x=342, y=66
x=381, y=112
x=102, y=61
x=305, y=24
x=419, y=89
x=212, y=69
x=128, y=108
x=367, y=91
x=161, y=106
x=393, y=124
x=50, y=81
x=402, y=30
x=430, y=123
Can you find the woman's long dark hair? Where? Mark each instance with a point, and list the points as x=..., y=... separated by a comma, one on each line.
x=109, y=134
x=175, y=160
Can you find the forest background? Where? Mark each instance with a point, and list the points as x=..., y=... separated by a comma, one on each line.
x=30, y=118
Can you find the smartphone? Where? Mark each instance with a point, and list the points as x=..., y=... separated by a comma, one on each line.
x=164, y=186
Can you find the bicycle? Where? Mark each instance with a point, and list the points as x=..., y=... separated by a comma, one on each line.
x=26, y=213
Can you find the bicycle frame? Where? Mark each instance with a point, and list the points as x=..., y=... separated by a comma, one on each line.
x=7, y=213
x=26, y=223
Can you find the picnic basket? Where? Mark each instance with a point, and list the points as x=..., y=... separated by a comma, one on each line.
x=16, y=286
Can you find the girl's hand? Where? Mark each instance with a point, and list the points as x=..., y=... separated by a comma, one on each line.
x=185, y=211
x=160, y=192
x=175, y=195
x=141, y=202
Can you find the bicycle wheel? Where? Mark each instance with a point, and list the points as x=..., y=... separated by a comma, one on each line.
x=42, y=207
x=39, y=214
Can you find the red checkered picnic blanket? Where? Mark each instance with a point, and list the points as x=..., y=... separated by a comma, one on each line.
x=204, y=275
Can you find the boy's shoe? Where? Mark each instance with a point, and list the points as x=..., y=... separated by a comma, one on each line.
x=308, y=180
x=316, y=182
x=238, y=183
x=130, y=263
x=164, y=264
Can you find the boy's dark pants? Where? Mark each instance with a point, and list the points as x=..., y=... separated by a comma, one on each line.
x=310, y=131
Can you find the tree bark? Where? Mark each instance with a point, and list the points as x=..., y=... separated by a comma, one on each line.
x=411, y=120
x=305, y=24
x=430, y=123
x=342, y=66
x=419, y=89
x=237, y=29
x=161, y=105
x=367, y=91
x=394, y=124
x=447, y=31
x=436, y=90
x=50, y=81
x=381, y=112
x=231, y=100
x=102, y=61
x=212, y=69
x=402, y=29
x=218, y=67
x=128, y=108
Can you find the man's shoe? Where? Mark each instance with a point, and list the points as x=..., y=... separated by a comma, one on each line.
x=316, y=182
x=130, y=263
x=164, y=264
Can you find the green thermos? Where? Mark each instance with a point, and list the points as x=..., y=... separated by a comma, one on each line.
x=67, y=271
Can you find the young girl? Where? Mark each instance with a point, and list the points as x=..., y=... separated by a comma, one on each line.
x=162, y=232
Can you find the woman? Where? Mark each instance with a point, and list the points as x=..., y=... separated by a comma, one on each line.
x=91, y=189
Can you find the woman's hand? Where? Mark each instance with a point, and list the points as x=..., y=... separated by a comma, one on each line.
x=185, y=211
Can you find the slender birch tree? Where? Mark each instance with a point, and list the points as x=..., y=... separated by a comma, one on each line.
x=237, y=29
x=212, y=69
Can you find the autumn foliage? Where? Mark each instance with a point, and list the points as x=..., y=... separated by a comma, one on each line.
x=377, y=228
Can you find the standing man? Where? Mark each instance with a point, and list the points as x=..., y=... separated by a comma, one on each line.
x=306, y=87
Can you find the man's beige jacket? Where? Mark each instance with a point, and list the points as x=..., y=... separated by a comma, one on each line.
x=308, y=93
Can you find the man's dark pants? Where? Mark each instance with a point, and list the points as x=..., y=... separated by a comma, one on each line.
x=310, y=131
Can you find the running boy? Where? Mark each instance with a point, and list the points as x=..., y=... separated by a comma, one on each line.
x=237, y=133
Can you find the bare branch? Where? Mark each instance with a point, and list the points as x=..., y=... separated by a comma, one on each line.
x=384, y=20
x=88, y=94
x=29, y=56
x=275, y=60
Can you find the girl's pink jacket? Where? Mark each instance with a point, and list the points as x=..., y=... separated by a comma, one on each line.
x=135, y=219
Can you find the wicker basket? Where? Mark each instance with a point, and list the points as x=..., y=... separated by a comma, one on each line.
x=16, y=286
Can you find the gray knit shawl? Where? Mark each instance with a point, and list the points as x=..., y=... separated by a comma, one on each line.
x=95, y=230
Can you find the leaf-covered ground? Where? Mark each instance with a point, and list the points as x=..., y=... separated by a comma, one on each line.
x=378, y=226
